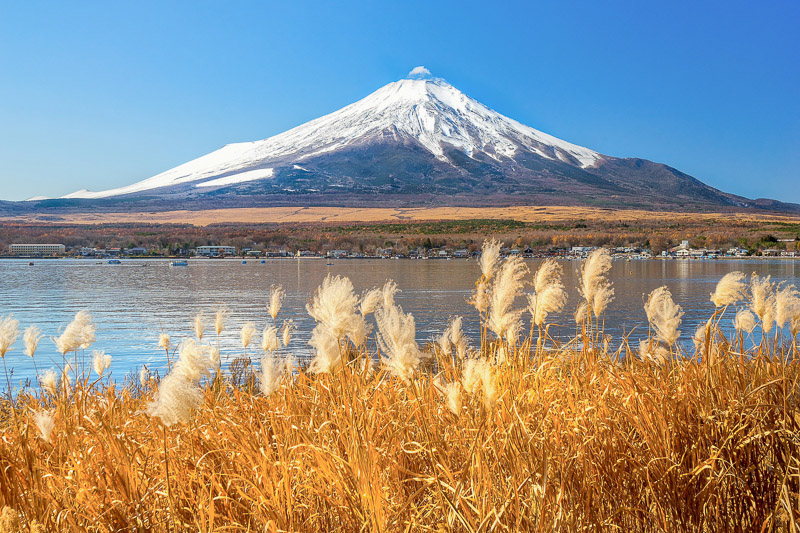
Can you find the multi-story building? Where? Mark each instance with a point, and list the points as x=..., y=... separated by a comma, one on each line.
x=37, y=249
x=215, y=251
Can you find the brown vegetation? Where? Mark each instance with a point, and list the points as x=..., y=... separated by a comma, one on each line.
x=517, y=434
x=367, y=229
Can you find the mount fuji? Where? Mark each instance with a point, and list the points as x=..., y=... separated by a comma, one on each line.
x=417, y=141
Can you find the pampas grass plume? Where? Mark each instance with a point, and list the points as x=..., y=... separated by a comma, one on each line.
x=396, y=337
x=100, y=362
x=176, y=399
x=45, y=422
x=549, y=294
x=9, y=521
x=507, y=286
x=594, y=285
x=286, y=332
x=490, y=258
x=269, y=339
x=199, y=325
x=276, y=296
x=195, y=360
x=653, y=352
x=453, y=392
x=220, y=319
x=49, y=381
x=787, y=304
x=763, y=301
x=581, y=312
x=9, y=333
x=370, y=301
x=334, y=306
x=31, y=340
x=247, y=333
x=664, y=315
x=730, y=289
x=269, y=377
x=164, y=342
x=481, y=297
x=744, y=321
x=327, y=354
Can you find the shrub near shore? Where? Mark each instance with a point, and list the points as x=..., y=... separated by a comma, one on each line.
x=515, y=432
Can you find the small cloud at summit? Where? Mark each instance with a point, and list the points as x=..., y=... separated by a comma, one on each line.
x=419, y=72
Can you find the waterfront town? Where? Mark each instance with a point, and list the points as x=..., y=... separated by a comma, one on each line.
x=682, y=251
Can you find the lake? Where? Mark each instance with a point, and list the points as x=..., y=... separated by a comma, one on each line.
x=132, y=303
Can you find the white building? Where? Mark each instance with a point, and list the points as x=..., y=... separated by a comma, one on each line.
x=215, y=251
x=37, y=249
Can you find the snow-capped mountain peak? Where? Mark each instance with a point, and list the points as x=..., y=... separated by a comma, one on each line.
x=420, y=109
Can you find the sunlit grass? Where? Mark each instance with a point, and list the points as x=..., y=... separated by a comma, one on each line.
x=514, y=433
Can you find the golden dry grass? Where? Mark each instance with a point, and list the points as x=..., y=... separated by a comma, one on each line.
x=578, y=439
x=336, y=215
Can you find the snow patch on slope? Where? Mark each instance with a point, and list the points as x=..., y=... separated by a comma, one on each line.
x=241, y=177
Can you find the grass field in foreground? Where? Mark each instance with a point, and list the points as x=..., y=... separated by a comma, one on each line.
x=511, y=432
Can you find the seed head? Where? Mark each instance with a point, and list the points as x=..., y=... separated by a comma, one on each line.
x=370, y=301
x=507, y=286
x=45, y=423
x=221, y=318
x=490, y=258
x=199, y=325
x=594, y=285
x=276, y=296
x=247, y=333
x=163, y=342
x=286, y=331
x=100, y=362
x=664, y=315
x=745, y=321
x=31, y=339
x=730, y=289
x=269, y=339
x=396, y=337
x=549, y=295
x=327, y=354
x=49, y=381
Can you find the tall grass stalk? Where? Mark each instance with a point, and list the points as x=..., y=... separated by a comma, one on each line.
x=577, y=436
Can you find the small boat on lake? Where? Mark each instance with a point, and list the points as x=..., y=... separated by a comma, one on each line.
x=178, y=263
x=114, y=262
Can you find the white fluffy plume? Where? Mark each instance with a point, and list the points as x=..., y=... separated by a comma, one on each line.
x=664, y=315
x=79, y=334
x=179, y=394
x=503, y=319
x=9, y=333
x=594, y=284
x=396, y=337
x=276, y=296
x=549, y=294
x=763, y=301
x=730, y=289
x=335, y=307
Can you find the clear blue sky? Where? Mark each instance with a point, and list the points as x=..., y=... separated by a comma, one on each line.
x=102, y=94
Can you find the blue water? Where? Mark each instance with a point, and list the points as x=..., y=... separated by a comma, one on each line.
x=132, y=303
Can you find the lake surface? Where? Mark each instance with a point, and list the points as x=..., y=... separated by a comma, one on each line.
x=132, y=303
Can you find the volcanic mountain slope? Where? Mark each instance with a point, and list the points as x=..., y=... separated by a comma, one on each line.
x=416, y=142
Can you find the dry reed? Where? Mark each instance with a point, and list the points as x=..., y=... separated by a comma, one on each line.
x=573, y=437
